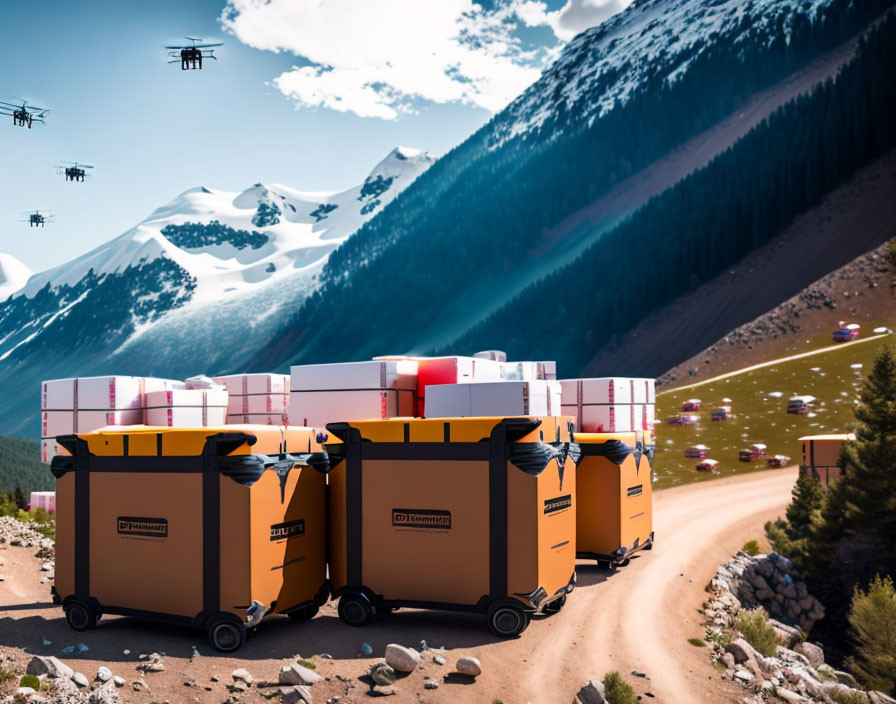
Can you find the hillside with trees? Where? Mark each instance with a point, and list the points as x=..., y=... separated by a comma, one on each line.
x=844, y=539
x=481, y=212
x=710, y=220
x=21, y=468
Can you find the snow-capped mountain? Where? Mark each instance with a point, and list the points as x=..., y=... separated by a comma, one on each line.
x=13, y=275
x=194, y=287
x=649, y=41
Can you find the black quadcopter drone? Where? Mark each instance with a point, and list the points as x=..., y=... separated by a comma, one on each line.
x=23, y=115
x=73, y=170
x=191, y=57
x=37, y=218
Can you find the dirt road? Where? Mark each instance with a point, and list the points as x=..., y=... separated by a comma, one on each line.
x=638, y=618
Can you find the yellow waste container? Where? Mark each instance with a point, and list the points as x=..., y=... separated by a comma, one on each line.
x=210, y=527
x=466, y=514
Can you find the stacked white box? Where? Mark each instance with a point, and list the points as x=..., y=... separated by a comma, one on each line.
x=610, y=405
x=265, y=397
x=83, y=404
x=500, y=398
x=186, y=408
x=494, y=355
x=327, y=393
x=519, y=371
x=547, y=370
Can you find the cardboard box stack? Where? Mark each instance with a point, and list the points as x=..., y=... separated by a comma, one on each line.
x=433, y=371
x=537, y=397
x=84, y=404
x=610, y=405
x=256, y=399
x=326, y=393
x=186, y=408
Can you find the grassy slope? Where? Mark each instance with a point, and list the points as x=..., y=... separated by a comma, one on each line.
x=759, y=417
x=20, y=466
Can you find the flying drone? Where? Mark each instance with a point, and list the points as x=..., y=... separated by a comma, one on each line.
x=191, y=57
x=23, y=115
x=73, y=170
x=37, y=218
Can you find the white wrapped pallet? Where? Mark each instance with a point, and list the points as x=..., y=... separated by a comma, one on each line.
x=314, y=409
x=49, y=449
x=352, y=391
x=257, y=403
x=494, y=355
x=186, y=408
x=501, y=398
x=254, y=384
x=42, y=499
x=603, y=417
x=607, y=390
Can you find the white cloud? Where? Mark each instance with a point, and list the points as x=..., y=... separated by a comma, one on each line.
x=578, y=15
x=378, y=58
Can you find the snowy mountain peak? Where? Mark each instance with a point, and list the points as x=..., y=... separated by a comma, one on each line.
x=651, y=40
x=13, y=275
x=402, y=161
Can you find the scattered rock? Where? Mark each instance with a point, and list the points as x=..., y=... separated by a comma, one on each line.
x=49, y=666
x=295, y=695
x=105, y=694
x=430, y=684
x=880, y=698
x=297, y=674
x=366, y=650
x=119, y=681
x=382, y=674
x=741, y=650
x=80, y=680
x=812, y=653
x=438, y=659
x=241, y=675
x=402, y=659
x=593, y=692
x=469, y=666
x=103, y=673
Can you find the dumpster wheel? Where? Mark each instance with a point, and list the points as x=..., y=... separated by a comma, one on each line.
x=79, y=615
x=304, y=614
x=225, y=632
x=554, y=607
x=355, y=609
x=506, y=618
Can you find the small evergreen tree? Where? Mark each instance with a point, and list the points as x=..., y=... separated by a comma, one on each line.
x=19, y=497
x=793, y=536
x=872, y=622
x=865, y=498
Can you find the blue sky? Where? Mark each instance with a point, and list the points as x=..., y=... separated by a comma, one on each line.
x=296, y=98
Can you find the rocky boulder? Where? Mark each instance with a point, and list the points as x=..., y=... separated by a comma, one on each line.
x=593, y=692
x=402, y=659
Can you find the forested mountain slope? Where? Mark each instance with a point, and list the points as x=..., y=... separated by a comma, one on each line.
x=452, y=246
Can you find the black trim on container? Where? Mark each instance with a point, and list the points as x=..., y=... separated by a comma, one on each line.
x=497, y=497
x=82, y=519
x=353, y=509
x=211, y=521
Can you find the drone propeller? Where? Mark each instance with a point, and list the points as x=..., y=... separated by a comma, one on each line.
x=77, y=164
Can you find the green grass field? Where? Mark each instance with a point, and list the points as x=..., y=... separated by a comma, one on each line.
x=758, y=415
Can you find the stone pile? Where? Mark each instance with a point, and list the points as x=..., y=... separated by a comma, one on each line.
x=797, y=672
x=60, y=684
x=24, y=535
x=770, y=581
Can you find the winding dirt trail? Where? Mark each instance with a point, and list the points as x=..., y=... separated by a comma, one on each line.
x=638, y=618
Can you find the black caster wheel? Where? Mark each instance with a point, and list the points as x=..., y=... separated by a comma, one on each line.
x=355, y=609
x=80, y=616
x=226, y=633
x=507, y=619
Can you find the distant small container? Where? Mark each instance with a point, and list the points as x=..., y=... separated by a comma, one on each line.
x=698, y=451
x=692, y=404
x=800, y=404
x=778, y=461
x=708, y=466
x=847, y=333
x=745, y=456
x=723, y=413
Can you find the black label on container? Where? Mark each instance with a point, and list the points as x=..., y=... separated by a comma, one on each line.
x=146, y=527
x=635, y=490
x=287, y=530
x=433, y=519
x=559, y=503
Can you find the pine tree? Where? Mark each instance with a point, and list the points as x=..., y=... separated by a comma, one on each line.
x=872, y=625
x=19, y=497
x=865, y=498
